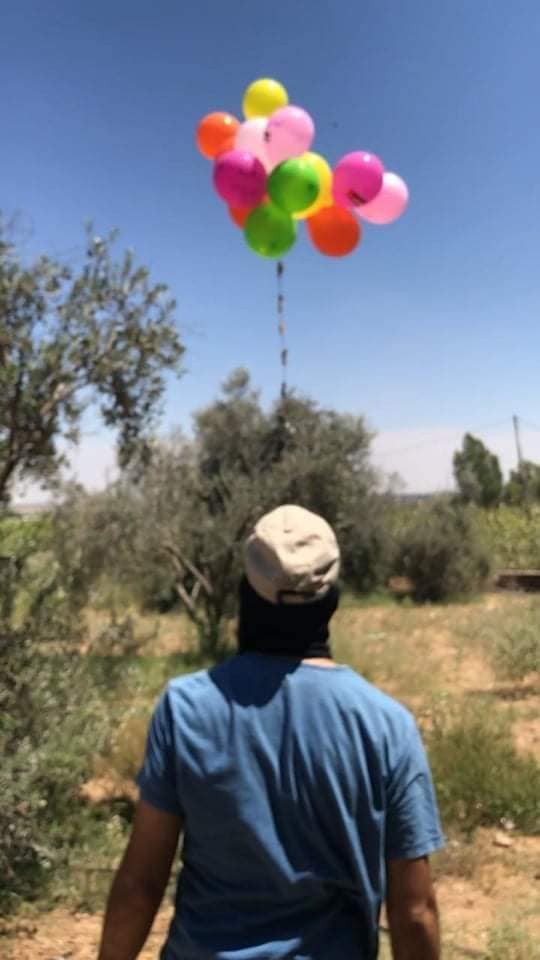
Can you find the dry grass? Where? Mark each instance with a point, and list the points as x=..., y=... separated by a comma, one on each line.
x=434, y=659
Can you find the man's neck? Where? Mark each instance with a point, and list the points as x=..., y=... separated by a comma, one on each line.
x=319, y=661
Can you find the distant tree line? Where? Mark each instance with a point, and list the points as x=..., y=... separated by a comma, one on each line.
x=479, y=478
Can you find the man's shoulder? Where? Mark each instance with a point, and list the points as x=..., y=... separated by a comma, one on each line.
x=188, y=684
x=371, y=696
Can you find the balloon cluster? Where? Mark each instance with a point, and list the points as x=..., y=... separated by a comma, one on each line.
x=265, y=171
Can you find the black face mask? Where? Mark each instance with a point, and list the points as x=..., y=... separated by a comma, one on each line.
x=287, y=630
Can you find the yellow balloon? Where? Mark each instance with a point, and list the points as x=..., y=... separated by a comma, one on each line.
x=325, y=198
x=262, y=97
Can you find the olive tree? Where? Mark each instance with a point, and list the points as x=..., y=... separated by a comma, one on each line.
x=197, y=499
x=98, y=333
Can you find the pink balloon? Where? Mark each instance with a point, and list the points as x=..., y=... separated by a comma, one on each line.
x=358, y=178
x=250, y=136
x=390, y=202
x=289, y=133
x=239, y=178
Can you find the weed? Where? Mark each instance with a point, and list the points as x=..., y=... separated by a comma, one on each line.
x=507, y=941
x=516, y=651
x=479, y=775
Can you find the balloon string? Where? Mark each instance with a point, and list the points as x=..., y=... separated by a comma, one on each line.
x=282, y=330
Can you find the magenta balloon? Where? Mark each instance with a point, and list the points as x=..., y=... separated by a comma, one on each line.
x=250, y=136
x=357, y=179
x=390, y=202
x=239, y=178
x=290, y=132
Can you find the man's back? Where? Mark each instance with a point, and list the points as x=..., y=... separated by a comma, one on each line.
x=296, y=782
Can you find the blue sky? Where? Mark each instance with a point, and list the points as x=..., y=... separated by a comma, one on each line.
x=433, y=325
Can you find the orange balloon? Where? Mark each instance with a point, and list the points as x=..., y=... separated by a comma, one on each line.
x=227, y=144
x=239, y=215
x=215, y=133
x=334, y=231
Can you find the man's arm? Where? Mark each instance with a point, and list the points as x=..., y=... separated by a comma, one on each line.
x=411, y=907
x=140, y=883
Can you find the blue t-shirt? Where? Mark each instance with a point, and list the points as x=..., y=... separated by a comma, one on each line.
x=296, y=783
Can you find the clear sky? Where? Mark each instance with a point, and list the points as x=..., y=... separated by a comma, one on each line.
x=433, y=325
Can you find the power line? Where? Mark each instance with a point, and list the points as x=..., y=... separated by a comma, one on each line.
x=421, y=444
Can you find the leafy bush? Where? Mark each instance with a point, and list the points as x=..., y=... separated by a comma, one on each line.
x=516, y=649
x=51, y=722
x=440, y=552
x=479, y=776
x=511, y=535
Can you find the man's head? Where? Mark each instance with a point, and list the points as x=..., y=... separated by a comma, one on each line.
x=292, y=556
x=289, y=592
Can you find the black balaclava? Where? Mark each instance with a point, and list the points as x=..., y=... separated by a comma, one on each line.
x=287, y=630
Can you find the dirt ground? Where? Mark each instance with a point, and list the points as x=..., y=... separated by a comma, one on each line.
x=505, y=883
x=480, y=885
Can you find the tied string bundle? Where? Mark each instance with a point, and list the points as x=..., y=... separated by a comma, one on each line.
x=298, y=630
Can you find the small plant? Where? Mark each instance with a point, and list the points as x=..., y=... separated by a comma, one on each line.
x=479, y=776
x=510, y=942
x=516, y=651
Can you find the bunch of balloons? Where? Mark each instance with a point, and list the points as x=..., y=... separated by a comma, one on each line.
x=266, y=172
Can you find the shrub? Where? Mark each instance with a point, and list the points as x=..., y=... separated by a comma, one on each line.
x=51, y=722
x=516, y=651
x=511, y=535
x=440, y=552
x=479, y=776
x=509, y=942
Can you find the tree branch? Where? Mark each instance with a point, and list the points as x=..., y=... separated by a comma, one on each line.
x=181, y=564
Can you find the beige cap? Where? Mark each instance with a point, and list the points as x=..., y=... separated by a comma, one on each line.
x=292, y=556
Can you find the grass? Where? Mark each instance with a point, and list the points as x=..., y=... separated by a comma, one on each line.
x=509, y=941
x=394, y=650
x=480, y=777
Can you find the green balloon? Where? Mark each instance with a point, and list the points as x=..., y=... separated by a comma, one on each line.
x=269, y=231
x=294, y=185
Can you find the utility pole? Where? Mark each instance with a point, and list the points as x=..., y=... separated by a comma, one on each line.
x=515, y=421
x=521, y=470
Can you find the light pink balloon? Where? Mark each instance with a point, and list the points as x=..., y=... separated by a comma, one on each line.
x=239, y=178
x=358, y=177
x=390, y=202
x=290, y=132
x=250, y=136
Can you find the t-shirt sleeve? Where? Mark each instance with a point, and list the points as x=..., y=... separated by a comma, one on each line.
x=413, y=826
x=157, y=778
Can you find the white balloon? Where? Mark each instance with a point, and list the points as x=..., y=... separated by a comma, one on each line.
x=250, y=136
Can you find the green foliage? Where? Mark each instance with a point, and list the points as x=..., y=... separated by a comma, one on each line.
x=479, y=776
x=101, y=333
x=477, y=473
x=511, y=536
x=523, y=486
x=178, y=530
x=515, y=645
x=440, y=552
x=51, y=719
x=507, y=941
